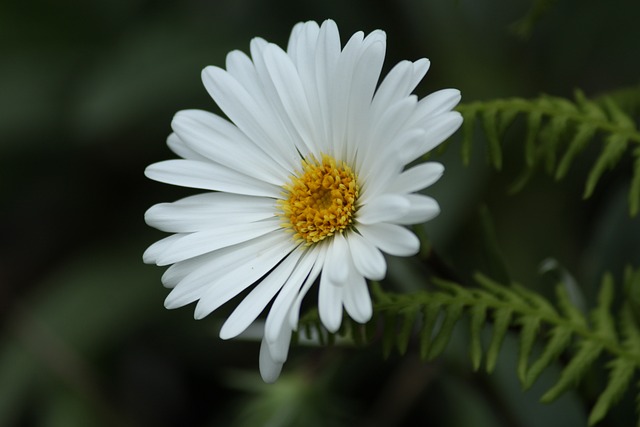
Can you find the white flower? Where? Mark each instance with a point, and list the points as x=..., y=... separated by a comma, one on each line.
x=306, y=180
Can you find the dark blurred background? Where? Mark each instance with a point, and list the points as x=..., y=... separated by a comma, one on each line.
x=87, y=93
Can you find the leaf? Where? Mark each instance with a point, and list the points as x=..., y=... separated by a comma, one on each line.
x=617, y=115
x=568, y=308
x=500, y=325
x=634, y=191
x=601, y=316
x=530, y=327
x=620, y=375
x=553, y=133
x=477, y=320
x=551, y=123
x=491, y=131
x=537, y=301
x=629, y=330
x=587, y=353
x=590, y=108
x=507, y=306
x=408, y=320
x=522, y=180
x=632, y=293
x=493, y=287
x=468, y=127
x=533, y=127
x=560, y=338
x=614, y=148
x=451, y=315
x=430, y=315
x=583, y=135
x=505, y=118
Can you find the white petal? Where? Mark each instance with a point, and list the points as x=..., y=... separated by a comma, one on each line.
x=273, y=356
x=291, y=93
x=294, y=38
x=286, y=137
x=423, y=208
x=256, y=122
x=437, y=129
x=388, y=166
x=178, y=146
x=269, y=369
x=326, y=59
x=279, y=348
x=357, y=302
x=304, y=55
x=207, y=211
x=398, y=84
x=227, y=202
x=339, y=89
x=216, y=139
x=252, y=267
x=284, y=301
x=178, y=271
x=416, y=178
x=379, y=150
x=368, y=260
x=435, y=104
x=335, y=269
x=364, y=79
x=209, y=240
x=209, y=176
x=152, y=253
x=313, y=275
x=330, y=303
x=386, y=207
x=219, y=263
x=240, y=67
x=392, y=239
x=253, y=304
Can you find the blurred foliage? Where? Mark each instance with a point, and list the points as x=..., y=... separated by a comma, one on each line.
x=87, y=92
x=551, y=124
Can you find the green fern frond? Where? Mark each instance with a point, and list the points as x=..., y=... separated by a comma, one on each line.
x=634, y=192
x=452, y=314
x=557, y=130
x=614, y=147
x=584, y=133
x=530, y=326
x=430, y=318
x=620, y=375
x=477, y=315
x=406, y=328
x=559, y=340
x=628, y=99
x=581, y=361
x=430, y=315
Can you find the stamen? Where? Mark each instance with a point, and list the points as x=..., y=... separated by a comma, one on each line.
x=321, y=200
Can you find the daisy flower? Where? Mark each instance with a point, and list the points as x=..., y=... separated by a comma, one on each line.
x=307, y=178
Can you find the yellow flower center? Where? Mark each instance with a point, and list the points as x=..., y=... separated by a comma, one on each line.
x=320, y=200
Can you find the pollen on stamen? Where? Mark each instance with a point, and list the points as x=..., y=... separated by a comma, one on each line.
x=320, y=200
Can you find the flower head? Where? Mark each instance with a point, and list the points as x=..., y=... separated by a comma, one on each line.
x=307, y=179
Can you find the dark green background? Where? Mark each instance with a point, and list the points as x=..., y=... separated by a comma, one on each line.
x=87, y=93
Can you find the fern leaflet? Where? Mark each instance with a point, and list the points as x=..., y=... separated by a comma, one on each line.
x=431, y=316
x=557, y=130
